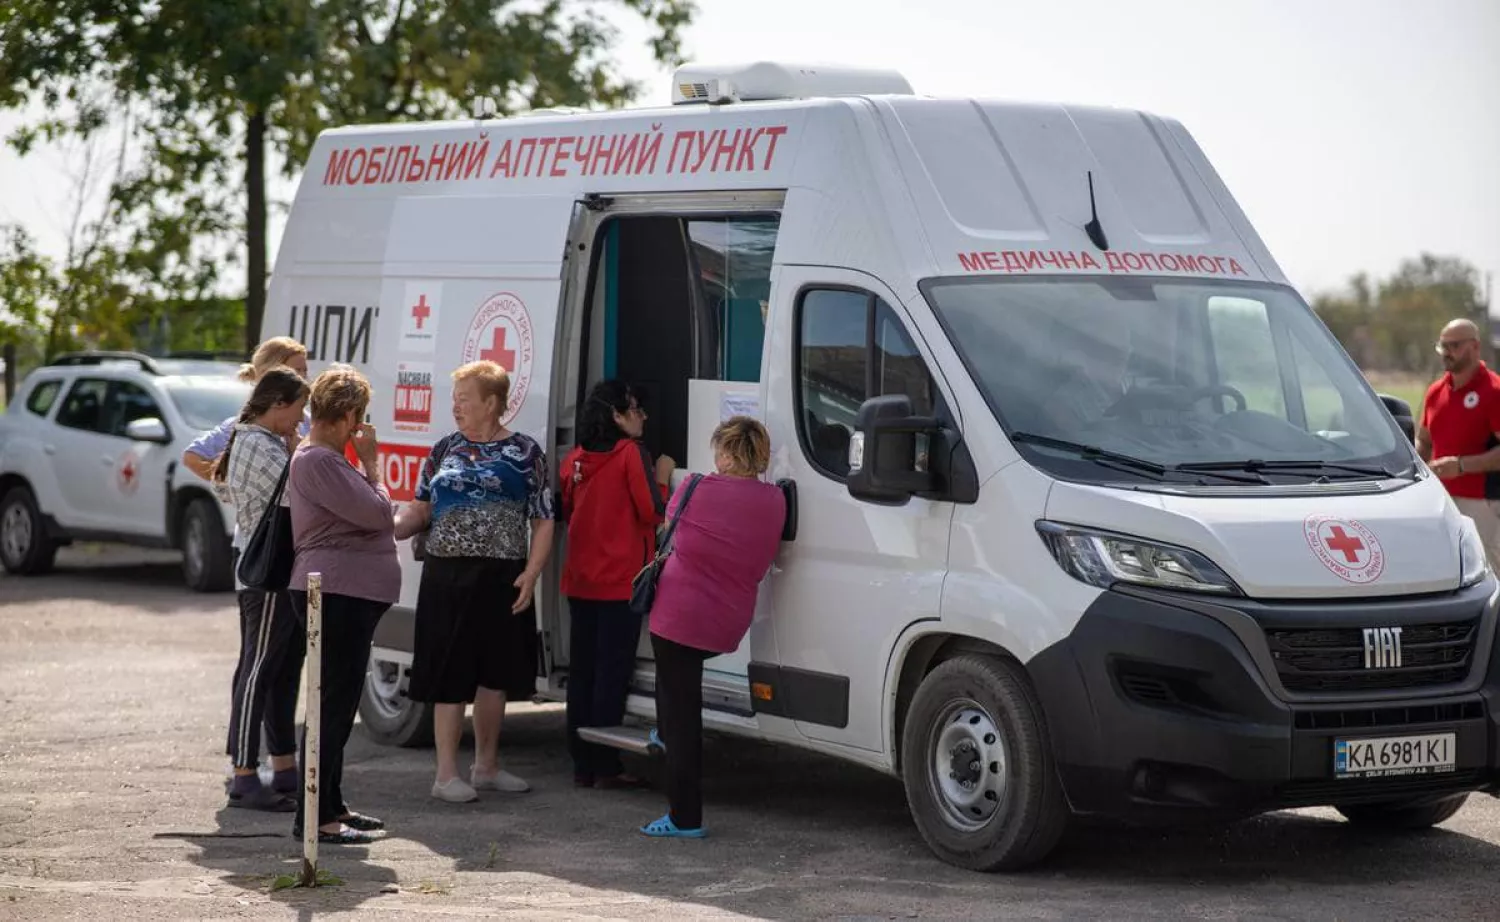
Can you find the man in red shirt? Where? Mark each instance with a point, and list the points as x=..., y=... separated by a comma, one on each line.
x=1459, y=432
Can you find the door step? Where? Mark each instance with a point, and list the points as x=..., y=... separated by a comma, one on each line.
x=630, y=739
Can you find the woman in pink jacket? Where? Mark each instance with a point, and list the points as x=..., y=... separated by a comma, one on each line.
x=727, y=534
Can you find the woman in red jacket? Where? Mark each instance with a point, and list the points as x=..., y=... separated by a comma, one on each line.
x=613, y=499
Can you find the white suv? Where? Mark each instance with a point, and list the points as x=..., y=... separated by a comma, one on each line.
x=90, y=450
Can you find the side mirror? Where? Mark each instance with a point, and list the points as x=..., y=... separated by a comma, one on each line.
x=889, y=453
x=147, y=430
x=1401, y=411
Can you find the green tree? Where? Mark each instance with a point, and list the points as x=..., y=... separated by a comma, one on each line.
x=222, y=82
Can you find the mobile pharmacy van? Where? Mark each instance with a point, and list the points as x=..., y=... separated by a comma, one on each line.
x=1092, y=514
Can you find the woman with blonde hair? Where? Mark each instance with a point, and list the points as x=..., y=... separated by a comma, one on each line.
x=485, y=498
x=727, y=532
x=343, y=526
x=200, y=455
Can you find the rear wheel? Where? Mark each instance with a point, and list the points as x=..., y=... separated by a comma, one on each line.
x=977, y=765
x=25, y=547
x=207, y=557
x=1404, y=815
x=388, y=715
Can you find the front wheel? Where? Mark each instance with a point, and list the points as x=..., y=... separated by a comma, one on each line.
x=207, y=557
x=1404, y=815
x=977, y=765
x=389, y=716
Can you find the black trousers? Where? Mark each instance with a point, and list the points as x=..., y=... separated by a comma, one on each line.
x=601, y=659
x=273, y=644
x=679, y=717
x=348, y=627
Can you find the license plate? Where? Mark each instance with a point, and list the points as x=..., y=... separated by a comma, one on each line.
x=1390, y=756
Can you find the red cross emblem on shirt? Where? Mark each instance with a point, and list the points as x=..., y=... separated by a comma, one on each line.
x=497, y=351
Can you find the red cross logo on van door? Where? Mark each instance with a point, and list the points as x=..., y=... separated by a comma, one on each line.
x=126, y=474
x=420, y=311
x=1348, y=548
x=498, y=353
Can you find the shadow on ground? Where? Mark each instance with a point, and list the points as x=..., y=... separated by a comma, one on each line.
x=796, y=835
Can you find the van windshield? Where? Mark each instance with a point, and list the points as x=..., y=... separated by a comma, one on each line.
x=1164, y=379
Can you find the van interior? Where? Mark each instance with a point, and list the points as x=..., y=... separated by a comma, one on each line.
x=671, y=303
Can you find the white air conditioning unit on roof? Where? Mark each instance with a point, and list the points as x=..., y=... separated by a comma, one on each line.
x=713, y=84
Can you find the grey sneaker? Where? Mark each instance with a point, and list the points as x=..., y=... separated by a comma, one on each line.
x=454, y=791
x=501, y=780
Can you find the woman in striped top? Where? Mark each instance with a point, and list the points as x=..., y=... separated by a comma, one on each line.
x=272, y=639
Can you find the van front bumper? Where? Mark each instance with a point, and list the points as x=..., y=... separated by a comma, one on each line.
x=1164, y=706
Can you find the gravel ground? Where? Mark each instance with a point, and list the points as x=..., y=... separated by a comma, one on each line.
x=113, y=700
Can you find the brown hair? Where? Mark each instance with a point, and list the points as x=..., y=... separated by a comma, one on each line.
x=275, y=351
x=337, y=392
x=277, y=386
x=746, y=442
x=492, y=378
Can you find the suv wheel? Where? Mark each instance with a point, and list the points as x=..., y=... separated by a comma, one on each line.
x=25, y=548
x=207, y=558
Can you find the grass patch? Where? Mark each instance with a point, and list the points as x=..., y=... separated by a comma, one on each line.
x=324, y=878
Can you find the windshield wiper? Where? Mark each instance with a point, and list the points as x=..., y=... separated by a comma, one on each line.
x=1255, y=464
x=1091, y=453
x=1118, y=460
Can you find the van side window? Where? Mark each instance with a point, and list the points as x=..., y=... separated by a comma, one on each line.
x=851, y=347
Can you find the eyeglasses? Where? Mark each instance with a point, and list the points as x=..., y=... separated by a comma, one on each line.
x=1446, y=346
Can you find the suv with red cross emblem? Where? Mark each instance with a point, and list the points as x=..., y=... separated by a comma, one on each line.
x=90, y=449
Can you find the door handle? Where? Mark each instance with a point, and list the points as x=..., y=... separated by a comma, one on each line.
x=789, y=526
x=107, y=461
x=49, y=449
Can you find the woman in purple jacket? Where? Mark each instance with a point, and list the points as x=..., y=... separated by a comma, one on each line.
x=344, y=527
x=727, y=536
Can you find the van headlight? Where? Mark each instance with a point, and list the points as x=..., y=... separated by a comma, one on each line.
x=1473, y=562
x=1103, y=559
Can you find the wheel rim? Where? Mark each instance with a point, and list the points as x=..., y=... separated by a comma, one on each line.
x=968, y=765
x=383, y=681
x=195, y=546
x=15, y=533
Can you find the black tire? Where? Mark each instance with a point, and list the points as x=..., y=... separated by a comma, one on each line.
x=207, y=557
x=1018, y=812
x=25, y=547
x=388, y=716
x=1404, y=815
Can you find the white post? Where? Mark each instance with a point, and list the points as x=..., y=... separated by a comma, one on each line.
x=313, y=722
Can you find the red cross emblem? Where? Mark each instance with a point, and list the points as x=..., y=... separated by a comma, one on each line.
x=1346, y=547
x=126, y=474
x=1345, y=543
x=497, y=352
x=421, y=311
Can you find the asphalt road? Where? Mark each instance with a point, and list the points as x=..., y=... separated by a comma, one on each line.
x=113, y=699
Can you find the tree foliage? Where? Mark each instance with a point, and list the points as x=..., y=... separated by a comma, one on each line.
x=1391, y=324
x=208, y=88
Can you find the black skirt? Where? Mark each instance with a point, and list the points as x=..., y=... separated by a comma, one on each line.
x=466, y=635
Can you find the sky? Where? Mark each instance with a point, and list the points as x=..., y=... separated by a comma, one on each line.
x=1353, y=134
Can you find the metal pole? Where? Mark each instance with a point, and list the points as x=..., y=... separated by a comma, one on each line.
x=313, y=724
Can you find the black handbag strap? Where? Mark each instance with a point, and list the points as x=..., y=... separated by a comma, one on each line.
x=687, y=494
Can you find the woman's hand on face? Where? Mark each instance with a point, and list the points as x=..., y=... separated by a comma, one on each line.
x=365, y=444
x=526, y=583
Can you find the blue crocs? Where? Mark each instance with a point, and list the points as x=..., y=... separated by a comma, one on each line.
x=664, y=828
x=656, y=741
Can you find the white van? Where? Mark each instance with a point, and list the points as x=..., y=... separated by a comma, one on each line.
x=1092, y=514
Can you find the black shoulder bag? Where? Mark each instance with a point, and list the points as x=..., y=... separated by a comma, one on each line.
x=643, y=587
x=267, y=560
